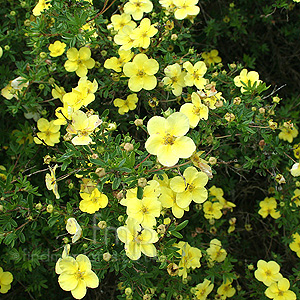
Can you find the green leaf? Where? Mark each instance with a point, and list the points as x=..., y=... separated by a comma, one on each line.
x=65, y=156
x=98, y=162
x=177, y=234
x=116, y=183
x=182, y=225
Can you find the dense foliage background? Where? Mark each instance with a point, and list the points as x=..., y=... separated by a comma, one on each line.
x=239, y=146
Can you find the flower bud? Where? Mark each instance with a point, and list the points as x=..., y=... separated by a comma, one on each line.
x=47, y=159
x=128, y=291
x=50, y=208
x=212, y=160
x=120, y=219
x=38, y=206
x=142, y=182
x=128, y=147
x=100, y=172
x=138, y=122
x=262, y=110
x=106, y=256
x=161, y=229
x=237, y=100
x=102, y=224
x=174, y=37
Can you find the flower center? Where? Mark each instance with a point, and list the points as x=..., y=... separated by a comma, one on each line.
x=169, y=139
x=141, y=73
x=79, y=275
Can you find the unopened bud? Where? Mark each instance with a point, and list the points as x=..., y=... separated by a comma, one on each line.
x=102, y=224
x=142, y=182
x=138, y=122
x=50, y=208
x=100, y=172
x=106, y=256
x=128, y=147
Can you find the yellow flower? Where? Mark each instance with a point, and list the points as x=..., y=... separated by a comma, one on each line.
x=295, y=170
x=142, y=34
x=6, y=279
x=115, y=63
x=267, y=272
x=185, y=8
x=144, y=210
x=65, y=253
x=280, y=290
x=167, y=4
x=288, y=134
x=63, y=114
x=190, y=187
x=195, y=74
x=40, y=6
x=226, y=290
x=168, y=200
x=212, y=210
x=167, y=139
x=83, y=126
x=58, y=92
x=93, y=202
x=269, y=207
x=49, y=132
x=246, y=79
x=195, y=111
x=79, y=61
x=137, y=240
x=174, y=78
x=13, y=87
x=168, y=197
x=296, y=149
x=123, y=37
x=82, y=95
x=57, y=48
x=126, y=105
x=203, y=289
x=190, y=258
x=119, y=21
x=215, y=252
x=137, y=8
x=76, y=275
x=51, y=182
x=141, y=72
x=295, y=244
x=211, y=58
x=296, y=197
x=74, y=229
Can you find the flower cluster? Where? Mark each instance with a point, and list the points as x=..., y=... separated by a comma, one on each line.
x=278, y=287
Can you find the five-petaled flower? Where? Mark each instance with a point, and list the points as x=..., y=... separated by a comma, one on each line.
x=79, y=61
x=190, y=187
x=167, y=138
x=267, y=272
x=57, y=48
x=246, y=79
x=49, y=132
x=195, y=74
x=137, y=240
x=83, y=126
x=141, y=72
x=75, y=275
x=92, y=202
x=137, y=8
x=126, y=105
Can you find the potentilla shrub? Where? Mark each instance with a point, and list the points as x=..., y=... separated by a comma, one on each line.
x=135, y=167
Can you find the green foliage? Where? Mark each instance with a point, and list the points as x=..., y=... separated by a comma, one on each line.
x=247, y=146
